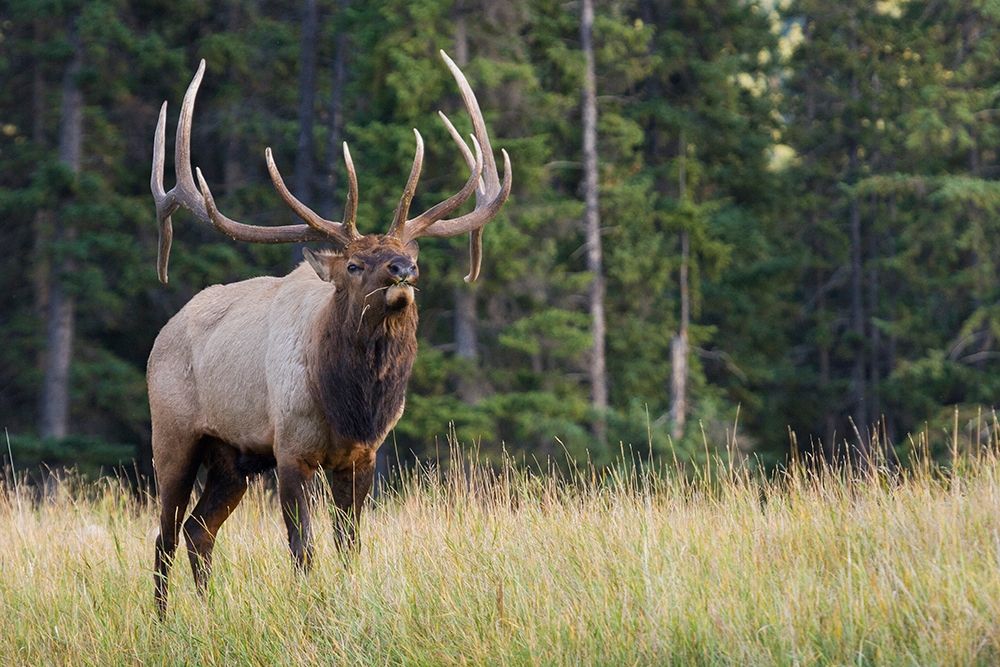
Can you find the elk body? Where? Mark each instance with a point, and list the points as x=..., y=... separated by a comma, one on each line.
x=302, y=372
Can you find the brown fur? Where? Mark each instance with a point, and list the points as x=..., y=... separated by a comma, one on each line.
x=358, y=374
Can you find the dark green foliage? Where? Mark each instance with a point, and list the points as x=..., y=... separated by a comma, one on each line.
x=91, y=457
x=714, y=121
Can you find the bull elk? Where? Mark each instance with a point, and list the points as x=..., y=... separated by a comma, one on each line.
x=301, y=372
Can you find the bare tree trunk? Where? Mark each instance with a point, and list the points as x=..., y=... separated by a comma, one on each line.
x=461, y=34
x=679, y=345
x=859, y=394
x=859, y=400
x=823, y=351
x=41, y=225
x=679, y=349
x=307, y=101
x=470, y=387
x=890, y=352
x=466, y=337
x=598, y=372
x=232, y=161
x=874, y=335
x=334, y=152
x=54, y=421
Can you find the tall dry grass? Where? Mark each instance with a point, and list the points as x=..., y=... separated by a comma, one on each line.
x=629, y=568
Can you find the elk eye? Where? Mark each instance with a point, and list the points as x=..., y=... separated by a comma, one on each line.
x=354, y=269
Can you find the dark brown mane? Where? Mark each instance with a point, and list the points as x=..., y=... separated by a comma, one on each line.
x=359, y=373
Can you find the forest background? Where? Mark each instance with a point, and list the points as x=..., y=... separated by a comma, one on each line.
x=782, y=218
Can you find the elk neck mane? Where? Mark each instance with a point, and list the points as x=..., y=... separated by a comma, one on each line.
x=358, y=374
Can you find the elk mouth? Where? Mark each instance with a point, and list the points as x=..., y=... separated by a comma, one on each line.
x=399, y=295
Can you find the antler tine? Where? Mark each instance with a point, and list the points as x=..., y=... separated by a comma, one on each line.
x=483, y=212
x=415, y=227
x=159, y=147
x=163, y=210
x=252, y=233
x=199, y=201
x=182, y=144
x=351, y=205
x=475, y=255
x=490, y=176
x=403, y=209
x=476, y=235
x=334, y=230
x=490, y=193
x=184, y=192
x=457, y=137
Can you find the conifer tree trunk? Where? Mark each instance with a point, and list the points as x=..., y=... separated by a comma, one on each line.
x=470, y=388
x=679, y=344
x=232, y=160
x=461, y=34
x=679, y=349
x=859, y=413
x=859, y=394
x=41, y=225
x=307, y=98
x=466, y=337
x=829, y=432
x=890, y=314
x=60, y=322
x=874, y=335
x=335, y=131
x=592, y=220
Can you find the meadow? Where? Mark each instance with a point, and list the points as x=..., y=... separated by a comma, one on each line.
x=488, y=566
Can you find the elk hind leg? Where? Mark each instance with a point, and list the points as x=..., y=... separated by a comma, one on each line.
x=224, y=489
x=175, y=462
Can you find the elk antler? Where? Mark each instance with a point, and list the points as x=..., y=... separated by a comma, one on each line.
x=485, y=180
x=186, y=195
x=345, y=231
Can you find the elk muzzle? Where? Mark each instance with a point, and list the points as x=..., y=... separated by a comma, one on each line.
x=402, y=270
x=402, y=273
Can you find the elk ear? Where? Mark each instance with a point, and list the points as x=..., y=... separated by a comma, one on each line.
x=318, y=263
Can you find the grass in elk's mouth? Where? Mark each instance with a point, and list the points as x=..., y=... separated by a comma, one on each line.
x=484, y=566
x=399, y=283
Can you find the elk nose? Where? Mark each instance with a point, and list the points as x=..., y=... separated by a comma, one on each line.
x=401, y=269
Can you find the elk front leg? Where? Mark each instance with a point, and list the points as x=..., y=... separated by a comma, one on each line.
x=224, y=489
x=292, y=479
x=349, y=488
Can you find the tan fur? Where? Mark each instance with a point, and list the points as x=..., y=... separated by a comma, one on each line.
x=233, y=364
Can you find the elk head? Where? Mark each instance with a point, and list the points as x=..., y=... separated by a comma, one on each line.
x=363, y=267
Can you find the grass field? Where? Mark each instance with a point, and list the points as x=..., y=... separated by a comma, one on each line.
x=521, y=569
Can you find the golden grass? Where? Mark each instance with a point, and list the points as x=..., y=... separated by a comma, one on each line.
x=526, y=570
